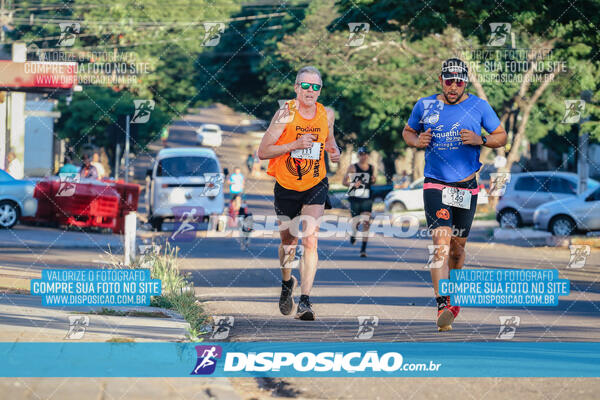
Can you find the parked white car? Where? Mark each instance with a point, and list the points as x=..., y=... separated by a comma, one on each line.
x=16, y=199
x=564, y=217
x=209, y=135
x=526, y=191
x=411, y=198
x=184, y=179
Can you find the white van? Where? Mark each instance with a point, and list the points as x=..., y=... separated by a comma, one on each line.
x=184, y=178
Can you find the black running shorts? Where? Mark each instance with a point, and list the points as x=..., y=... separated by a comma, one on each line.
x=289, y=202
x=359, y=206
x=439, y=214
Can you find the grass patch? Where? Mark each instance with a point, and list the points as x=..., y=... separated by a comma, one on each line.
x=14, y=291
x=177, y=290
x=120, y=340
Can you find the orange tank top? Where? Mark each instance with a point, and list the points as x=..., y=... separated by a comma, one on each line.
x=306, y=170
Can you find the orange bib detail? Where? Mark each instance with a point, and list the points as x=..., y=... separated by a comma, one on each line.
x=301, y=174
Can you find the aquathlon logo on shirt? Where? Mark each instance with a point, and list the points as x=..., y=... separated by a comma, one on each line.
x=207, y=359
x=446, y=138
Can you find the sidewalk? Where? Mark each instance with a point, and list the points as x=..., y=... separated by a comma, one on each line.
x=24, y=319
x=36, y=237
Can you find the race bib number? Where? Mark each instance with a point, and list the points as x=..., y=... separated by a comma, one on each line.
x=456, y=197
x=359, y=191
x=312, y=153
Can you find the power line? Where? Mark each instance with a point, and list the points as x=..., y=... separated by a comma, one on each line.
x=39, y=21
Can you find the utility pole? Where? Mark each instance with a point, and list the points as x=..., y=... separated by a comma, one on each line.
x=582, y=148
x=127, y=148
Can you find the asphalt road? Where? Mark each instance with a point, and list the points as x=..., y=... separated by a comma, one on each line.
x=391, y=284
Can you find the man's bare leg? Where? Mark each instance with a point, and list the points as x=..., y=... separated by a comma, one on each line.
x=287, y=251
x=456, y=258
x=441, y=237
x=312, y=213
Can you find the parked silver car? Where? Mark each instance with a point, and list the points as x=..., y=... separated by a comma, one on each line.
x=528, y=190
x=563, y=217
x=16, y=200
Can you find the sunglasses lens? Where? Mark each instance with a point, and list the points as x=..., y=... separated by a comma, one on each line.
x=459, y=83
x=305, y=85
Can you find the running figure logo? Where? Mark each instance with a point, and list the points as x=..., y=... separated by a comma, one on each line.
x=187, y=218
x=77, y=325
x=498, y=182
x=67, y=186
x=68, y=33
x=207, y=359
x=500, y=31
x=360, y=191
x=212, y=33
x=431, y=111
x=143, y=108
x=508, y=327
x=358, y=32
x=221, y=327
x=286, y=112
x=579, y=254
x=213, y=184
x=437, y=252
x=366, y=326
x=573, y=111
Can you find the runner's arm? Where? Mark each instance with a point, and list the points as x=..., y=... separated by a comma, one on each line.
x=330, y=144
x=413, y=139
x=497, y=138
x=268, y=149
x=350, y=170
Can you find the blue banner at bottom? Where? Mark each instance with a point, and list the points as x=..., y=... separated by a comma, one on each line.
x=300, y=359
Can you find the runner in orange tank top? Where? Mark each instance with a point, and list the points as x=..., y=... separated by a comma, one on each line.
x=295, y=144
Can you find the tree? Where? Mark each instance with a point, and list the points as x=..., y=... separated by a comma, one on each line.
x=559, y=28
x=160, y=43
x=97, y=116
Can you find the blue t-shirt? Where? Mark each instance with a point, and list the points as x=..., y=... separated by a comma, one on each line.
x=446, y=158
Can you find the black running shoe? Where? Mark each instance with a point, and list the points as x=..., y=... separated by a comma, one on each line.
x=286, y=300
x=363, y=253
x=305, y=311
x=352, y=240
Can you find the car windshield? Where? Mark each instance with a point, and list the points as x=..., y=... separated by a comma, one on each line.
x=210, y=130
x=186, y=166
x=418, y=184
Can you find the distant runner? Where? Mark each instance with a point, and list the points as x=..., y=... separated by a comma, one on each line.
x=448, y=126
x=294, y=143
x=359, y=178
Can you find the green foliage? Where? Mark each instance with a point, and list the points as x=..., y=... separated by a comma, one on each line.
x=161, y=40
x=97, y=114
x=177, y=291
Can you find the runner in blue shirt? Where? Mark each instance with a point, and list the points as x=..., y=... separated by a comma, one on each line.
x=236, y=182
x=448, y=126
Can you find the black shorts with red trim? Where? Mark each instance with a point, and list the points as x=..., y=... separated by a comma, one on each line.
x=439, y=214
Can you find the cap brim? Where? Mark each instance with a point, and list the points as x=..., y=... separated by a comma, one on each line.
x=460, y=77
